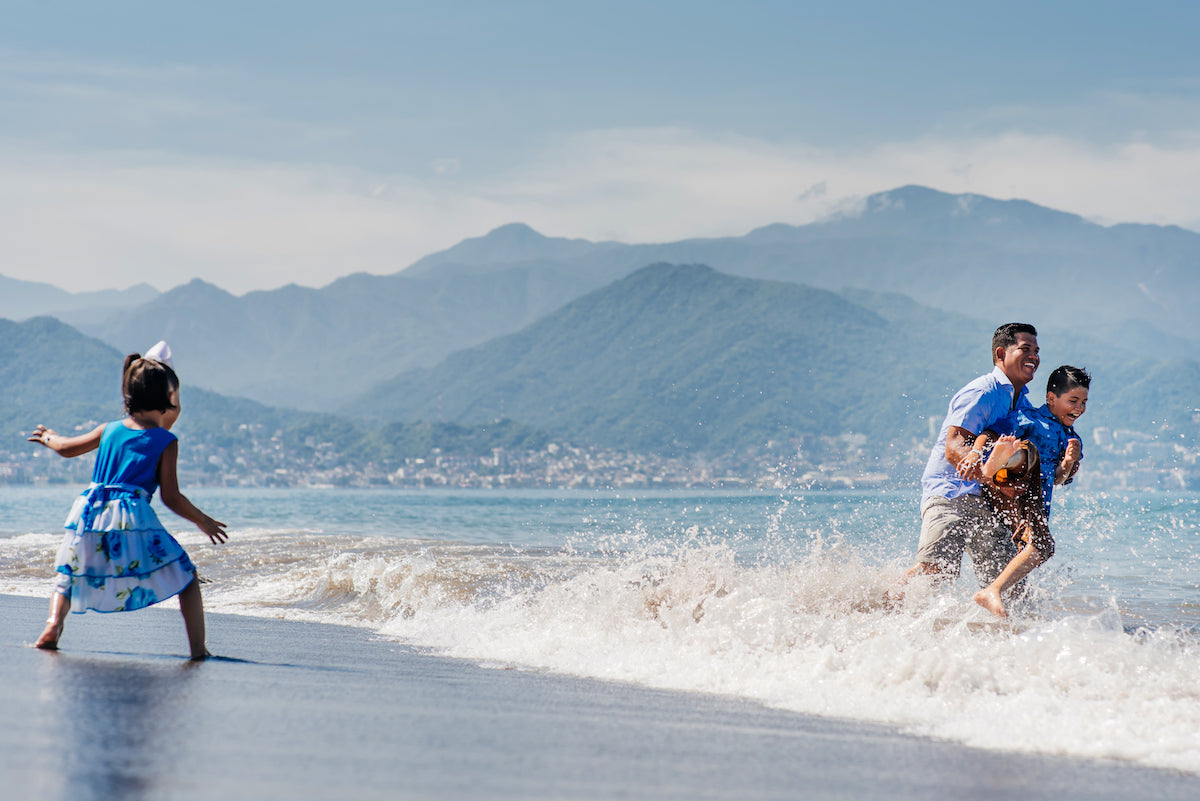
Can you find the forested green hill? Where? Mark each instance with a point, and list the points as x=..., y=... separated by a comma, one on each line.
x=676, y=358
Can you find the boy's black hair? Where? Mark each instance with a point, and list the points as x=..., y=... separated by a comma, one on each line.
x=147, y=385
x=1006, y=335
x=1066, y=378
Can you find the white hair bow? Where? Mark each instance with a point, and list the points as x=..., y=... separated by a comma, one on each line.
x=160, y=353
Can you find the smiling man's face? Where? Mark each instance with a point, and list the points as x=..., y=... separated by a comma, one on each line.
x=1020, y=360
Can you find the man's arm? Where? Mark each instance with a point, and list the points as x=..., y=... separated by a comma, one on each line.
x=960, y=452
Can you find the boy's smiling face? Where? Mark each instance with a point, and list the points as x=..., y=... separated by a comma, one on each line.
x=1069, y=406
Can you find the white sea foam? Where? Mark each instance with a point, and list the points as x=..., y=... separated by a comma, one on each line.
x=790, y=617
x=806, y=634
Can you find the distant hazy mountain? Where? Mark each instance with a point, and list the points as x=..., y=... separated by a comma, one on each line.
x=21, y=300
x=53, y=374
x=967, y=254
x=683, y=357
x=318, y=348
x=507, y=245
x=955, y=252
x=669, y=358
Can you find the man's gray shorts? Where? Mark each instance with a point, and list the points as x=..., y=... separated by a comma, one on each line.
x=951, y=525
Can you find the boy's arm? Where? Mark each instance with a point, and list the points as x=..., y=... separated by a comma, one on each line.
x=1069, y=465
x=67, y=446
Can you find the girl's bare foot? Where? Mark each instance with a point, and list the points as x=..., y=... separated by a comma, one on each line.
x=989, y=599
x=49, y=639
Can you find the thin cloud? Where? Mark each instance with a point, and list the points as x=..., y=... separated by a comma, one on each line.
x=103, y=220
x=675, y=184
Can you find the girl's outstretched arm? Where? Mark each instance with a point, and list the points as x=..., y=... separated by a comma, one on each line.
x=168, y=490
x=68, y=446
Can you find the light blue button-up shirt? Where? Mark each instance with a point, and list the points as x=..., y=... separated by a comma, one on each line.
x=977, y=406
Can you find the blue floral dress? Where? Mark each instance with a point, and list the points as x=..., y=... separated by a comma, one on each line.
x=116, y=556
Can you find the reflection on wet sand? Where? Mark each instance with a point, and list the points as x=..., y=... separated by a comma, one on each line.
x=121, y=723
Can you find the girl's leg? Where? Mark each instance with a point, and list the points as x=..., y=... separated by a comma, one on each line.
x=191, y=605
x=60, y=605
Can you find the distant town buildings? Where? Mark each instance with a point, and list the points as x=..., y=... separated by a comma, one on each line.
x=256, y=457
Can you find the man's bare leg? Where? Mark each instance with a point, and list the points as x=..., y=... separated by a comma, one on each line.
x=895, y=595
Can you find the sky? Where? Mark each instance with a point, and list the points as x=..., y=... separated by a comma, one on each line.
x=256, y=144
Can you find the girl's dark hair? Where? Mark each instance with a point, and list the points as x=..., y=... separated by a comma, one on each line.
x=147, y=385
x=1066, y=378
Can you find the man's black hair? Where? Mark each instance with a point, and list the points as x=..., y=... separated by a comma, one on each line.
x=1006, y=335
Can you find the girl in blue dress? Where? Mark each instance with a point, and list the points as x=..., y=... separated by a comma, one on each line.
x=116, y=556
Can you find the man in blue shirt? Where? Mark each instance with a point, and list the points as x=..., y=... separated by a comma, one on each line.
x=954, y=515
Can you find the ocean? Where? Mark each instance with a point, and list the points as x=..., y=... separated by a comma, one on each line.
x=770, y=597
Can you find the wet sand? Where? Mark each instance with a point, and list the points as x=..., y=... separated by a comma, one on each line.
x=308, y=711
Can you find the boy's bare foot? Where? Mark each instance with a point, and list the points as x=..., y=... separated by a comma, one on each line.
x=49, y=639
x=200, y=657
x=989, y=599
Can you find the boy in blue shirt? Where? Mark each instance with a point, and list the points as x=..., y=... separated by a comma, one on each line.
x=1036, y=449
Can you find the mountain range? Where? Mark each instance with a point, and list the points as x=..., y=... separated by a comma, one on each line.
x=989, y=259
x=862, y=323
x=683, y=358
x=21, y=300
x=1009, y=259
x=672, y=359
x=53, y=374
x=317, y=348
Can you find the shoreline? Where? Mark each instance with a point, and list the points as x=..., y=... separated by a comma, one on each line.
x=314, y=710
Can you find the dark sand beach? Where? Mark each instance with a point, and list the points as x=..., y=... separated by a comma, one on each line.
x=307, y=711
